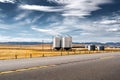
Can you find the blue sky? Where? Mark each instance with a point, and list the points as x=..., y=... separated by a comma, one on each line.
x=37, y=20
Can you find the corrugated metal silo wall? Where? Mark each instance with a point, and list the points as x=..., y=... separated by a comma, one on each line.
x=57, y=42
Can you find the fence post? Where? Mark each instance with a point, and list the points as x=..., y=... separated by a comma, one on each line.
x=30, y=55
x=61, y=52
x=43, y=55
x=16, y=56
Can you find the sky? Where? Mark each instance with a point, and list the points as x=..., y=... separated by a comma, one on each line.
x=37, y=20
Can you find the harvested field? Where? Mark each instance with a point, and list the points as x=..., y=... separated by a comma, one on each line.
x=30, y=51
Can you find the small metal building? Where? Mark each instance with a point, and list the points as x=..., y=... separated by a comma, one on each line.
x=100, y=47
x=91, y=47
x=67, y=42
x=57, y=42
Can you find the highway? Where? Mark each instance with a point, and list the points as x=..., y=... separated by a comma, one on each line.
x=101, y=66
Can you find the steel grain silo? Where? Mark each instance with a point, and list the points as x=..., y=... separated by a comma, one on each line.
x=67, y=42
x=57, y=42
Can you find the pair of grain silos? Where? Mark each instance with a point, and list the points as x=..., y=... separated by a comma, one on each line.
x=62, y=42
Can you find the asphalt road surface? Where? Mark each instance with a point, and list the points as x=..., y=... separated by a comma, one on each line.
x=102, y=66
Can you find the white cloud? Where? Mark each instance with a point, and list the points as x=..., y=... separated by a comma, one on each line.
x=8, y=1
x=114, y=30
x=25, y=34
x=79, y=8
x=21, y=39
x=23, y=19
x=5, y=26
x=107, y=22
x=58, y=27
x=110, y=24
x=46, y=31
x=40, y=8
x=103, y=30
x=22, y=16
x=52, y=19
x=36, y=18
x=19, y=17
x=81, y=30
x=3, y=38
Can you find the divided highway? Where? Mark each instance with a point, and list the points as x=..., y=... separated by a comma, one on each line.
x=102, y=66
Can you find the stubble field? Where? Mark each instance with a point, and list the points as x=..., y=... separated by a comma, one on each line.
x=30, y=51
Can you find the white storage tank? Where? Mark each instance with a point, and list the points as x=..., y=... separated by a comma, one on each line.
x=101, y=48
x=57, y=42
x=67, y=42
x=91, y=47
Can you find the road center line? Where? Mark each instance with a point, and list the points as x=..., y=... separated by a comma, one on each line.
x=26, y=69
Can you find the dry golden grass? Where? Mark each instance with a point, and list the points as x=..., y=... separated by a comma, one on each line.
x=29, y=51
